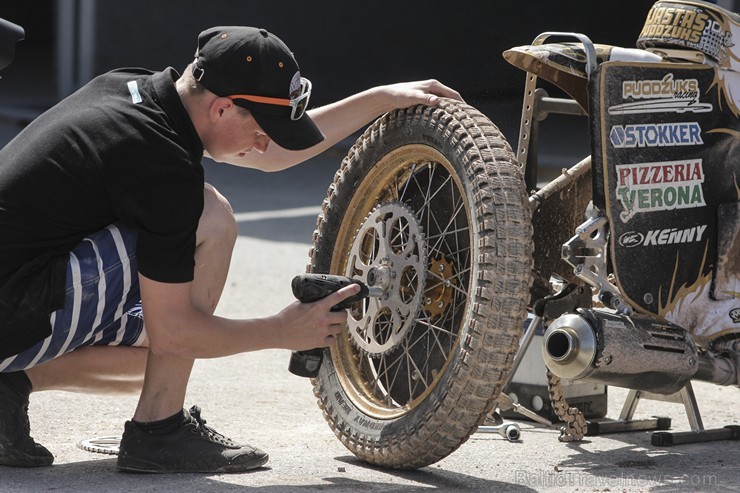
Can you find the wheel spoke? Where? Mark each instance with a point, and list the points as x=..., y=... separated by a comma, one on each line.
x=400, y=195
x=459, y=276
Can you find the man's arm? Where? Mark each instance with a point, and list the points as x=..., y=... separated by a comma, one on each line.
x=341, y=119
x=178, y=328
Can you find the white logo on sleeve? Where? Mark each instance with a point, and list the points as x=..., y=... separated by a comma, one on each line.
x=133, y=88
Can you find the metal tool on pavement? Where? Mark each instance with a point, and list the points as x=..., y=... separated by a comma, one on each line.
x=508, y=429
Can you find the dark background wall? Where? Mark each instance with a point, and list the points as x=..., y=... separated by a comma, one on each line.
x=342, y=46
x=345, y=46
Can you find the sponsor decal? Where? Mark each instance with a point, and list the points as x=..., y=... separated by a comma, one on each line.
x=676, y=23
x=664, y=88
x=656, y=135
x=661, y=186
x=735, y=315
x=668, y=236
x=667, y=95
x=690, y=26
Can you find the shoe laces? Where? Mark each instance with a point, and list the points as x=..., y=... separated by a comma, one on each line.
x=206, y=431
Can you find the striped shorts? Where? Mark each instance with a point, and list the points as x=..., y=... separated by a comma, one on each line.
x=102, y=305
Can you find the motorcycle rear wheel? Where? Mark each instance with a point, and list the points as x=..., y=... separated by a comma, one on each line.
x=429, y=204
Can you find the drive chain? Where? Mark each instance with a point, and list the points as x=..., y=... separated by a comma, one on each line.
x=575, y=423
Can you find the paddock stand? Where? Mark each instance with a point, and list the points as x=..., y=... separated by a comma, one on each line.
x=684, y=396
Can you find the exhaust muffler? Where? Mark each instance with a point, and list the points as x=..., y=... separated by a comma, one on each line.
x=632, y=352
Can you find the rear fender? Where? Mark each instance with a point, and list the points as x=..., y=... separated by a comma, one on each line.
x=568, y=65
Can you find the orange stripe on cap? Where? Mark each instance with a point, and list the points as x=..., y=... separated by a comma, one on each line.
x=261, y=99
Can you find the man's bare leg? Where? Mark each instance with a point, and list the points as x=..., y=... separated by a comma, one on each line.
x=93, y=369
x=167, y=377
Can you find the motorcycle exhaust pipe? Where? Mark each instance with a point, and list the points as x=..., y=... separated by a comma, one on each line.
x=636, y=353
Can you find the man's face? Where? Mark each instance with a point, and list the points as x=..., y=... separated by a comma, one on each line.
x=235, y=134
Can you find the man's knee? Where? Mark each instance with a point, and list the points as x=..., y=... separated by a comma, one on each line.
x=217, y=219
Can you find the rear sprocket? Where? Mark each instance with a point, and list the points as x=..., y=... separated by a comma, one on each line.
x=388, y=252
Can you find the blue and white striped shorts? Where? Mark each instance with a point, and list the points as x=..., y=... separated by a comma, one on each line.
x=102, y=305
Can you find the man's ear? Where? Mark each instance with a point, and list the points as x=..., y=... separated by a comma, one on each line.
x=219, y=107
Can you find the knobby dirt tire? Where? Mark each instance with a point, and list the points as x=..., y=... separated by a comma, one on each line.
x=431, y=202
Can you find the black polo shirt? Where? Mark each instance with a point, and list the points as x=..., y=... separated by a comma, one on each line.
x=122, y=148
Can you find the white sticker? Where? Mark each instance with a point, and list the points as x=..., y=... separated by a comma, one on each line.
x=133, y=88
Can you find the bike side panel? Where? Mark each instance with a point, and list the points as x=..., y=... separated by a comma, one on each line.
x=667, y=151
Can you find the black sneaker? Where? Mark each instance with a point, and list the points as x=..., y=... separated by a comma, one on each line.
x=17, y=448
x=193, y=447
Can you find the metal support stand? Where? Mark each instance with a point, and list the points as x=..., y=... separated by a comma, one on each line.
x=625, y=421
x=665, y=438
x=505, y=402
x=684, y=396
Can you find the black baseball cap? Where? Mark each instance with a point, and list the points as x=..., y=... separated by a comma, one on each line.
x=259, y=73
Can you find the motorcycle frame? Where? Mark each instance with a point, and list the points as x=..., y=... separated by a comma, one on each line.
x=537, y=105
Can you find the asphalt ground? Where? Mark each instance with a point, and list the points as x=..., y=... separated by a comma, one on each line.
x=253, y=398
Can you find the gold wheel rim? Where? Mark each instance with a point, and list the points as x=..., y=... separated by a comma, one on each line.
x=393, y=384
